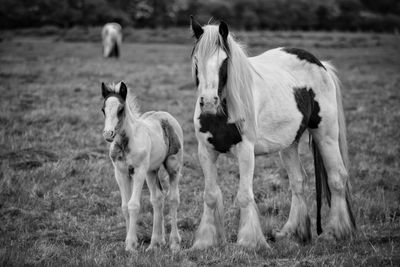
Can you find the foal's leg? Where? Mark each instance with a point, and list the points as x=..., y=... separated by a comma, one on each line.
x=125, y=188
x=157, y=200
x=298, y=222
x=134, y=207
x=250, y=233
x=211, y=228
x=173, y=166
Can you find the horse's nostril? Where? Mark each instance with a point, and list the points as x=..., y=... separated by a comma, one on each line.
x=201, y=101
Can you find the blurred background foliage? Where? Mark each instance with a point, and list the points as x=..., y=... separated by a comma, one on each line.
x=347, y=15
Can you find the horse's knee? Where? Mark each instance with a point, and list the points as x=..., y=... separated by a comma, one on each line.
x=211, y=197
x=124, y=208
x=243, y=198
x=133, y=207
x=337, y=181
x=157, y=199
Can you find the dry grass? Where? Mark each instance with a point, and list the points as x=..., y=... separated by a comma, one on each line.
x=59, y=203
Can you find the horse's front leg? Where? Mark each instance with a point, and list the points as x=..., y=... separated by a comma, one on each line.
x=134, y=206
x=250, y=233
x=211, y=228
x=125, y=188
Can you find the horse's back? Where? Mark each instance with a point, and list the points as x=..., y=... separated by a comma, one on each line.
x=296, y=67
x=166, y=121
x=113, y=29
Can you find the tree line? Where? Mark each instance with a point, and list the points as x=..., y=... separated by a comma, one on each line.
x=349, y=15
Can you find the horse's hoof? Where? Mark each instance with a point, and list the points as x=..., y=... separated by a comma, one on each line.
x=175, y=247
x=201, y=244
x=327, y=236
x=253, y=244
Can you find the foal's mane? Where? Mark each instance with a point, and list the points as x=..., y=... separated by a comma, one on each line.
x=239, y=93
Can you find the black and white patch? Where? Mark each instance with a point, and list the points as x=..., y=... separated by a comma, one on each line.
x=170, y=137
x=304, y=55
x=224, y=134
x=309, y=108
x=120, y=148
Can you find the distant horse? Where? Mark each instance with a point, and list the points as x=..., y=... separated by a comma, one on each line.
x=112, y=38
x=140, y=144
x=263, y=104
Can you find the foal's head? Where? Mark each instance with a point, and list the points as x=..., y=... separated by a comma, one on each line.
x=210, y=63
x=113, y=108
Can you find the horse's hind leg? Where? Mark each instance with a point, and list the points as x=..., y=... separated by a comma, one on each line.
x=157, y=200
x=173, y=165
x=298, y=222
x=341, y=221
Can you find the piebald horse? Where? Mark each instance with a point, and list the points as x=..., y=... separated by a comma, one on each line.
x=112, y=38
x=140, y=144
x=249, y=106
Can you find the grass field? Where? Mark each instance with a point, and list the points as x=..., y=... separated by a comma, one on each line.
x=60, y=204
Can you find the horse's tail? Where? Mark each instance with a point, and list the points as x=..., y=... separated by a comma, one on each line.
x=320, y=171
x=321, y=183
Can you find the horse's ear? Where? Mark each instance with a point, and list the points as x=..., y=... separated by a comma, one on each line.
x=223, y=30
x=104, y=90
x=123, y=90
x=196, y=28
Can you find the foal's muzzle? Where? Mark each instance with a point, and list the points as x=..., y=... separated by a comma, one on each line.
x=109, y=135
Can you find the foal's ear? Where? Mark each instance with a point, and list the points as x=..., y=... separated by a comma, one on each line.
x=104, y=90
x=196, y=27
x=223, y=30
x=123, y=90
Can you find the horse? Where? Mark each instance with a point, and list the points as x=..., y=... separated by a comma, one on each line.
x=140, y=144
x=249, y=106
x=112, y=38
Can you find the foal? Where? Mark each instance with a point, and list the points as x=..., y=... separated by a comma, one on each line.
x=140, y=144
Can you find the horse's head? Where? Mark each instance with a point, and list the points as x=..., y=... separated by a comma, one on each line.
x=113, y=108
x=210, y=64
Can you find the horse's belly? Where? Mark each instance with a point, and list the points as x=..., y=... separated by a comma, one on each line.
x=276, y=132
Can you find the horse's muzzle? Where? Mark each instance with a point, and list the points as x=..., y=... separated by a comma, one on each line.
x=109, y=136
x=210, y=106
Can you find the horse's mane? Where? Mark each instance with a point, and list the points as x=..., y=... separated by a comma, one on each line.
x=239, y=94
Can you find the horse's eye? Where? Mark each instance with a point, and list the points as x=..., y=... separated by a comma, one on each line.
x=120, y=110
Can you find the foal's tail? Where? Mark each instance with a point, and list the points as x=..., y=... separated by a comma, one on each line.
x=321, y=177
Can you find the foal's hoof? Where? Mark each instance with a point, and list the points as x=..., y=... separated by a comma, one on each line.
x=175, y=247
x=130, y=245
x=155, y=244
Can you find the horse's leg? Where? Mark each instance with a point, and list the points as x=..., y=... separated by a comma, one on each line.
x=341, y=222
x=250, y=233
x=298, y=222
x=134, y=207
x=173, y=165
x=157, y=200
x=211, y=228
x=124, y=184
